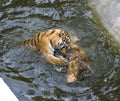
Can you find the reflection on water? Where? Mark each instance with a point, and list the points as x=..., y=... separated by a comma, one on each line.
x=33, y=79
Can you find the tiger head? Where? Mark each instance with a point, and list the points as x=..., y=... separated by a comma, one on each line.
x=61, y=40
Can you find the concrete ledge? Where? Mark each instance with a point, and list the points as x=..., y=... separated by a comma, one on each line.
x=109, y=12
x=5, y=93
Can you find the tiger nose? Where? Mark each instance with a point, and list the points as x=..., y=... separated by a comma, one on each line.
x=62, y=45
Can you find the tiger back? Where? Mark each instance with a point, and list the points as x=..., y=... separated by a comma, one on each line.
x=47, y=42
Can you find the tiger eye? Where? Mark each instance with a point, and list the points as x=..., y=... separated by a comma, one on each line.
x=61, y=34
x=64, y=40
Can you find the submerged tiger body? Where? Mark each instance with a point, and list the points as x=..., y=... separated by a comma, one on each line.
x=47, y=42
x=77, y=63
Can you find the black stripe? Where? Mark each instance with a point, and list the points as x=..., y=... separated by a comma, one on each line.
x=24, y=42
x=43, y=34
x=35, y=42
x=39, y=34
x=52, y=43
x=52, y=32
x=27, y=41
x=38, y=37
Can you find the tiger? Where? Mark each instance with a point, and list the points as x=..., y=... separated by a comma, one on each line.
x=77, y=63
x=47, y=42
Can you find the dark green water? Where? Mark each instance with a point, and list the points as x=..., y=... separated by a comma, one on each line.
x=30, y=77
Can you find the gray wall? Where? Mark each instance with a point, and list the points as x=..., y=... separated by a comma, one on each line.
x=109, y=11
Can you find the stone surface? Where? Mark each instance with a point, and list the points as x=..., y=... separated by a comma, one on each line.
x=109, y=11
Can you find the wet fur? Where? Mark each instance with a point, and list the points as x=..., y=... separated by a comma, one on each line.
x=77, y=63
x=47, y=42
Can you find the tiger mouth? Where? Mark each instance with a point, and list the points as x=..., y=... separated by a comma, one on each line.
x=64, y=45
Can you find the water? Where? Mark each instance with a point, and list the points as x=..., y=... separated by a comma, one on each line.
x=27, y=73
